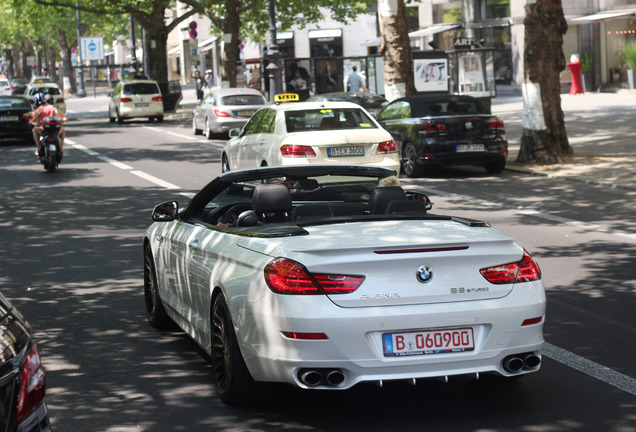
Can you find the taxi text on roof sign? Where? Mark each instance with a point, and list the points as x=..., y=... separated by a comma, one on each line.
x=286, y=97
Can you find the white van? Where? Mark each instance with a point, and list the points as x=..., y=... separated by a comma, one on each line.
x=134, y=99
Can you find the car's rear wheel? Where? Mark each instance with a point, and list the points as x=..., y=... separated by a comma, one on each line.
x=410, y=167
x=208, y=132
x=118, y=117
x=225, y=163
x=110, y=117
x=195, y=130
x=233, y=381
x=495, y=167
x=160, y=119
x=155, y=312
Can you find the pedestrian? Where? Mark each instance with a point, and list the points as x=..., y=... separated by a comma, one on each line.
x=355, y=83
x=208, y=79
x=200, y=84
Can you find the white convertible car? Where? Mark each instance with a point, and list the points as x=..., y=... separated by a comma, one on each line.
x=324, y=277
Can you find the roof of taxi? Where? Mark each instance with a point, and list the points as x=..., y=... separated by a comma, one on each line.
x=299, y=106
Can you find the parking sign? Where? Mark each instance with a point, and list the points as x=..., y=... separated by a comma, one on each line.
x=92, y=48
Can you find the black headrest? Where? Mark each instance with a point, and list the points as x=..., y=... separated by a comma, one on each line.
x=406, y=207
x=271, y=198
x=382, y=196
x=307, y=212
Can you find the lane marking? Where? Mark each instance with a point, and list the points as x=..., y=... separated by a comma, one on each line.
x=188, y=137
x=588, y=367
x=154, y=180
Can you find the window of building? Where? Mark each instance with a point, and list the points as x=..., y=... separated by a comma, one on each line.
x=492, y=9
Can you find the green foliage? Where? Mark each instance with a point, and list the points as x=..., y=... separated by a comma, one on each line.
x=629, y=53
x=586, y=60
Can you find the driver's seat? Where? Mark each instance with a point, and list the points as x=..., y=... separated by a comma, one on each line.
x=272, y=203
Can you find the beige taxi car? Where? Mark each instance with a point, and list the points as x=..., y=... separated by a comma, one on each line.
x=135, y=99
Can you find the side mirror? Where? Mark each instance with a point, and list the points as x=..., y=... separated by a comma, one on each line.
x=166, y=211
x=235, y=133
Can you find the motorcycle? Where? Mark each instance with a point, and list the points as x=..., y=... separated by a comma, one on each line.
x=50, y=152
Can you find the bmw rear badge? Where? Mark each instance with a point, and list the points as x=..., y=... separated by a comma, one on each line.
x=424, y=274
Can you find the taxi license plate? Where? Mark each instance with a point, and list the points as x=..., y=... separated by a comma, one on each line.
x=470, y=148
x=8, y=118
x=427, y=342
x=345, y=151
x=142, y=105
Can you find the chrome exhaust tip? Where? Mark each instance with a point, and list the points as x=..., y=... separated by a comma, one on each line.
x=513, y=364
x=311, y=378
x=335, y=377
x=531, y=361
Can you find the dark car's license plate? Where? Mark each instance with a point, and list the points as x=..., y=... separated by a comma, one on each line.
x=470, y=148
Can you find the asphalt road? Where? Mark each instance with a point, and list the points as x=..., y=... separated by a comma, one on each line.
x=72, y=264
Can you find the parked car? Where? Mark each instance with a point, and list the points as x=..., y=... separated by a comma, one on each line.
x=434, y=130
x=22, y=384
x=15, y=117
x=135, y=99
x=18, y=85
x=322, y=277
x=225, y=109
x=5, y=87
x=308, y=133
x=47, y=88
x=369, y=101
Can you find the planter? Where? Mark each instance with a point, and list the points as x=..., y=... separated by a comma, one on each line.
x=631, y=78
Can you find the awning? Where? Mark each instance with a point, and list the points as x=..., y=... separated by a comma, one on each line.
x=599, y=16
x=432, y=30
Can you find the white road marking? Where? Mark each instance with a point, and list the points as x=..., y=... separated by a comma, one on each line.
x=155, y=180
x=187, y=137
x=588, y=367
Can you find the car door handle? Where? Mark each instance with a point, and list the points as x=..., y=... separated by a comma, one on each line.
x=194, y=244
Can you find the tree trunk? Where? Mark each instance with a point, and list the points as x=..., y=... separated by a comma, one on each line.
x=396, y=50
x=544, y=139
x=52, y=66
x=67, y=65
x=158, y=33
x=231, y=26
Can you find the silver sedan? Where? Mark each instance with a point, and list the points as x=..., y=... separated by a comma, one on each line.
x=225, y=109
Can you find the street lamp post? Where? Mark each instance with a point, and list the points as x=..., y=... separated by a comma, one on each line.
x=273, y=68
x=81, y=91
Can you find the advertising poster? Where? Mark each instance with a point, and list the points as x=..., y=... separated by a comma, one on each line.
x=431, y=75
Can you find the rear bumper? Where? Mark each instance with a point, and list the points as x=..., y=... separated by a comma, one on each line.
x=38, y=421
x=446, y=154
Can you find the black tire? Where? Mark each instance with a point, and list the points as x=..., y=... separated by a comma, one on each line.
x=51, y=163
x=410, y=156
x=195, y=130
x=233, y=381
x=225, y=164
x=111, y=119
x=118, y=118
x=495, y=167
x=155, y=312
x=160, y=119
x=208, y=132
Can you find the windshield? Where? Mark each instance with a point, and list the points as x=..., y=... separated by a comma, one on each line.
x=327, y=119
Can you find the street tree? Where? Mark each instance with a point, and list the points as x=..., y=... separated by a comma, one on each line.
x=544, y=139
x=396, y=50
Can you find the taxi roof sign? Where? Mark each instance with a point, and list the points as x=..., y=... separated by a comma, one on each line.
x=286, y=97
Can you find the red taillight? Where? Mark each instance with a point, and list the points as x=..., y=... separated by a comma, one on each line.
x=59, y=101
x=531, y=321
x=157, y=99
x=526, y=270
x=387, y=147
x=27, y=116
x=293, y=150
x=285, y=276
x=125, y=100
x=220, y=113
x=496, y=124
x=305, y=336
x=433, y=126
x=31, y=387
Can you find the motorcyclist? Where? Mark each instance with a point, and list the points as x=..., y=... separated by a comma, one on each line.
x=45, y=108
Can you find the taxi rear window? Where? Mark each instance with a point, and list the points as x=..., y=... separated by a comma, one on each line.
x=141, y=88
x=327, y=119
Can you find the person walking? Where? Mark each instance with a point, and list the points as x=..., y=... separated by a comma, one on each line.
x=355, y=83
x=200, y=84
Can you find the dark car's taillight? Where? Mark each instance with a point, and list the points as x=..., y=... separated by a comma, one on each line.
x=285, y=276
x=496, y=123
x=31, y=387
x=433, y=126
x=526, y=270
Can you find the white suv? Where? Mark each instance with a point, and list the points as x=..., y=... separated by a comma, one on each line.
x=134, y=99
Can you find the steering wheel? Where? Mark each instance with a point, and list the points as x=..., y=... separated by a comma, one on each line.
x=232, y=214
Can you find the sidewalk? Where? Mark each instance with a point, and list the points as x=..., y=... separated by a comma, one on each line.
x=601, y=130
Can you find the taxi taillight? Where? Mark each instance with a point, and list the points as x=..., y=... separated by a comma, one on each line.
x=294, y=150
x=125, y=100
x=387, y=147
x=157, y=99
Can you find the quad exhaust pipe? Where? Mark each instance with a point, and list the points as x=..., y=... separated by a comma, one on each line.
x=316, y=377
x=519, y=362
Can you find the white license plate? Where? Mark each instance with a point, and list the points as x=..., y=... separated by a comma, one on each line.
x=345, y=151
x=52, y=147
x=9, y=118
x=142, y=105
x=427, y=342
x=470, y=148
x=246, y=113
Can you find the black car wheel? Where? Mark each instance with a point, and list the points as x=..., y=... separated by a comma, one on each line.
x=155, y=312
x=495, y=167
x=208, y=133
x=225, y=164
x=118, y=117
x=233, y=381
x=410, y=168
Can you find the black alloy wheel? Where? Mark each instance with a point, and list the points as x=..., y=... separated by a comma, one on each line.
x=233, y=381
x=155, y=312
x=410, y=167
